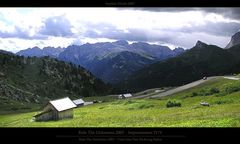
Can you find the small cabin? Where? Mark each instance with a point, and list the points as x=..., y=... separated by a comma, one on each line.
x=204, y=78
x=78, y=102
x=204, y=104
x=56, y=110
x=88, y=103
x=123, y=96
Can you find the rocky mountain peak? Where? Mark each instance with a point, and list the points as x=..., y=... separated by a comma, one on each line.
x=121, y=42
x=178, y=49
x=234, y=40
x=35, y=48
x=200, y=44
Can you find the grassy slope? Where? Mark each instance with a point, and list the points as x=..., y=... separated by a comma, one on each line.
x=10, y=107
x=150, y=112
x=27, y=83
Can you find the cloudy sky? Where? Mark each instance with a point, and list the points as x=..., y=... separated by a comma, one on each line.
x=21, y=28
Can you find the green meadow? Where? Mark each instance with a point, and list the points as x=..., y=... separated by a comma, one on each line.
x=223, y=95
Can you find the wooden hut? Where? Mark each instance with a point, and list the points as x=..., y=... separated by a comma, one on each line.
x=78, y=102
x=56, y=110
x=123, y=96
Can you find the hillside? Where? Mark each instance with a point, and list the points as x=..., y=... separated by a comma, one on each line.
x=102, y=56
x=235, y=50
x=37, y=80
x=223, y=111
x=202, y=60
x=118, y=66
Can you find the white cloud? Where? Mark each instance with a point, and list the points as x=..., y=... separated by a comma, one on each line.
x=188, y=40
x=23, y=26
x=15, y=44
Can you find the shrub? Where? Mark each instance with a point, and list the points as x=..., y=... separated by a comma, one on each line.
x=173, y=103
x=204, y=92
x=145, y=106
x=214, y=90
x=220, y=102
x=194, y=94
x=231, y=89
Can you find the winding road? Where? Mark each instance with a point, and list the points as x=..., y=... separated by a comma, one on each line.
x=178, y=89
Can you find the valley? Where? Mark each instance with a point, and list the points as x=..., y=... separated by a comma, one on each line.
x=152, y=112
x=124, y=85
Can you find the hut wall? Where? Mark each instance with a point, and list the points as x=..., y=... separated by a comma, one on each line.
x=81, y=104
x=65, y=114
x=45, y=116
x=51, y=115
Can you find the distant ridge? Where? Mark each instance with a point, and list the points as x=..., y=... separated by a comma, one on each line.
x=109, y=61
x=200, y=61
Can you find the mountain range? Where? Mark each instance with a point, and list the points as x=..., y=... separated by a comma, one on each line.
x=110, y=61
x=36, y=51
x=200, y=61
x=139, y=66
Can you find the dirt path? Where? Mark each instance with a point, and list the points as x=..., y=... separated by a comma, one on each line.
x=231, y=78
x=178, y=89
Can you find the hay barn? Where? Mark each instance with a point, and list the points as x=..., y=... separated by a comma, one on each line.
x=56, y=110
